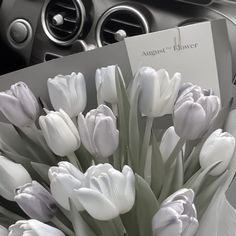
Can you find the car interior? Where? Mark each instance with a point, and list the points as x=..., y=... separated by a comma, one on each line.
x=36, y=31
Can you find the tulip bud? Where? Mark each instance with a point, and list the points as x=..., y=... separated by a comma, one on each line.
x=33, y=227
x=98, y=131
x=36, y=201
x=218, y=147
x=168, y=143
x=12, y=176
x=194, y=112
x=158, y=91
x=107, y=192
x=177, y=215
x=3, y=231
x=68, y=93
x=105, y=79
x=64, y=179
x=60, y=133
x=19, y=105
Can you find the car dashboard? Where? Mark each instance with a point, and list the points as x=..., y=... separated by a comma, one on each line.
x=42, y=30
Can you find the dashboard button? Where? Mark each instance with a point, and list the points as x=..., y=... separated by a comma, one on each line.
x=18, y=32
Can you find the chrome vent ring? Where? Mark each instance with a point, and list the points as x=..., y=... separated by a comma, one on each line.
x=63, y=20
x=120, y=22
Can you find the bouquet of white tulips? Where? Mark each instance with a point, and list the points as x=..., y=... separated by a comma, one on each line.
x=117, y=170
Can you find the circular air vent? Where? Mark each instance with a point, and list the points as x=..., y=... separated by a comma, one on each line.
x=63, y=20
x=118, y=23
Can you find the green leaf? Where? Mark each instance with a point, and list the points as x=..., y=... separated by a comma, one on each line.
x=134, y=135
x=123, y=115
x=157, y=168
x=206, y=194
x=199, y=179
x=178, y=178
x=146, y=206
x=81, y=228
x=42, y=170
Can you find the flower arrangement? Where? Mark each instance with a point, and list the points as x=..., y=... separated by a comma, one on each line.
x=115, y=170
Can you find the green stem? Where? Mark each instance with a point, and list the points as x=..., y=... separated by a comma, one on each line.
x=175, y=152
x=10, y=215
x=74, y=160
x=62, y=227
x=145, y=145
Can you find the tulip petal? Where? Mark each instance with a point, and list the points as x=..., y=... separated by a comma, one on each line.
x=27, y=99
x=106, y=111
x=9, y=180
x=191, y=228
x=168, y=143
x=189, y=115
x=80, y=88
x=62, y=188
x=129, y=189
x=70, y=124
x=150, y=93
x=40, y=229
x=108, y=86
x=173, y=229
x=34, y=207
x=96, y=204
x=58, y=93
x=10, y=106
x=106, y=137
x=84, y=133
x=69, y=168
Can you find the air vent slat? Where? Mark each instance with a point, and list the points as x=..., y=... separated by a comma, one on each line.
x=70, y=20
x=67, y=7
x=61, y=29
x=109, y=31
x=120, y=22
x=126, y=23
x=63, y=20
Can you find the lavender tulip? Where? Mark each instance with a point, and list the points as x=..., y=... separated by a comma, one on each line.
x=12, y=176
x=60, y=133
x=194, y=112
x=105, y=79
x=19, y=105
x=33, y=228
x=98, y=131
x=64, y=179
x=68, y=93
x=177, y=215
x=158, y=91
x=36, y=201
x=219, y=146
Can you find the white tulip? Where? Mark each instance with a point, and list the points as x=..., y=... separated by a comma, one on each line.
x=60, y=133
x=105, y=79
x=218, y=147
x=168, y=143
x=107, y=192
x=33, y=228
x=3, y=231
x=12, y=176
x=98, y=131
x=64, y=179
x=177, y=215
x=68, y=92
x=158, y=91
